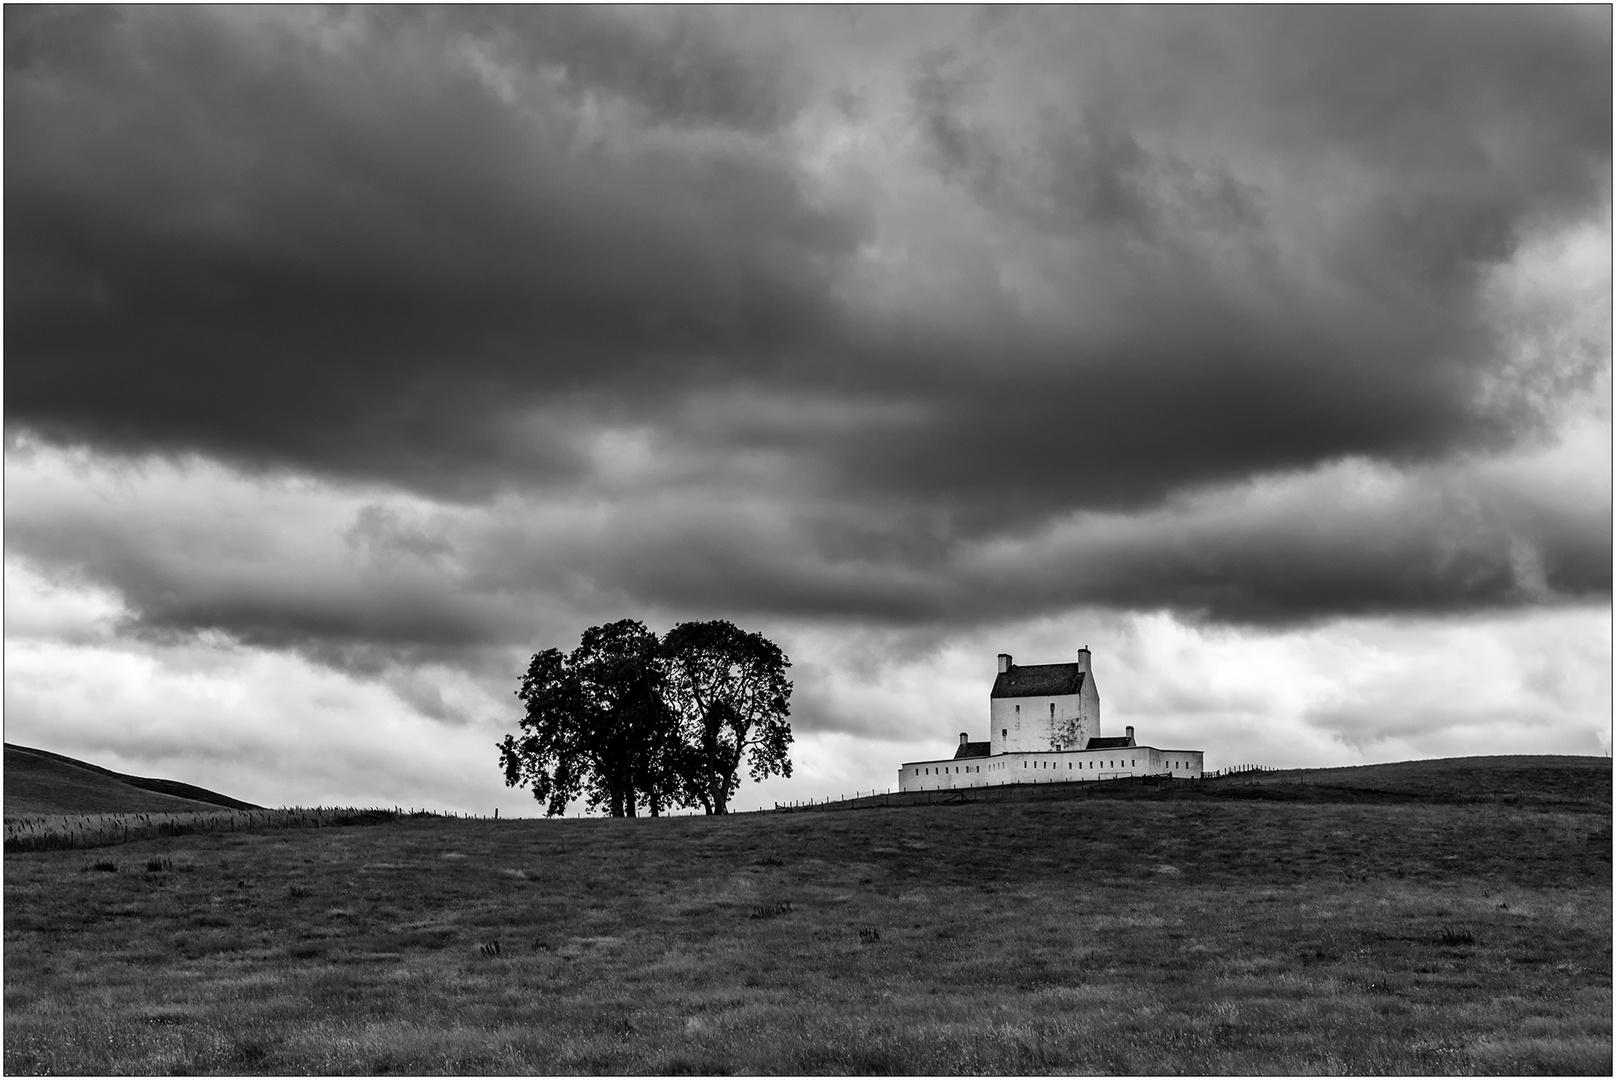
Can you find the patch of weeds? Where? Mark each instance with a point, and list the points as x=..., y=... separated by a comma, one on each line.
x=106, y=866
x=298, y=892
x=195, y=948
x=1392, y=983
x=249, y=1052
x=771, y=911
x=159, y=866
x=424, y=938
x=1457, y=935
x=490, y=948
x=868, y=935
x=769, y=860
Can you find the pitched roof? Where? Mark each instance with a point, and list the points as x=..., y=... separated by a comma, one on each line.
x=1038, y=680
x=1110, y=742
x=974, y=749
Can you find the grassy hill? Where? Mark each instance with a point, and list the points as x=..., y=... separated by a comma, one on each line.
x=1557, y=782
x=39, y=782
x=1548, y=780
x=1166, y=930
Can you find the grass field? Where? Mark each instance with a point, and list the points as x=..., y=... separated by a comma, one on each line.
x=1161, y=935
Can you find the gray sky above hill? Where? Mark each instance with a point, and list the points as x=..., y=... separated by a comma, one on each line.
x=387, y=345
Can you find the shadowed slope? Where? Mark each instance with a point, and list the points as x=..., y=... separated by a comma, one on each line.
x=1548, y=779
x=1100, y=937
x=1551, y=781
x=40, y=782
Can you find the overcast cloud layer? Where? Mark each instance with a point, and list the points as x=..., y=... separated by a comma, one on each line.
x=397, y=343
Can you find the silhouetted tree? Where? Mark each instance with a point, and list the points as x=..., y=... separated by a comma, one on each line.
x=596, y=725
x=727, y=689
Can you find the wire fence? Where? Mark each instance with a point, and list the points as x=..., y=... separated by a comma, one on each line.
x=1004, y=790
x=65, y=831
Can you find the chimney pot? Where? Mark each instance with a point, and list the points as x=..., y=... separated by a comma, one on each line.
x=1130, y=734
x=964, y=738
x=1004, y=662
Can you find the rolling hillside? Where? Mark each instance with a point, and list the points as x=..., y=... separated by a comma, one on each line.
x=1539, y=779
x=40, y=782
x=1547, y=781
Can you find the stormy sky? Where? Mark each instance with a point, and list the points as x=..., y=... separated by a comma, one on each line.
x=352, y=356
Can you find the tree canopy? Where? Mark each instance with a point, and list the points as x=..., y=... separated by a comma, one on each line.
x=629, y=721
x=727, y=688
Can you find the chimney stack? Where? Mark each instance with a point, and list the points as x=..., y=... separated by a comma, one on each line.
x=1083, y=658
x=964, y=738
x=1130, y=735
x=1004, y=662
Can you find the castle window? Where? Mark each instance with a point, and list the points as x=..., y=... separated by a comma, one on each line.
x=1005, y=733
x=1052, y=710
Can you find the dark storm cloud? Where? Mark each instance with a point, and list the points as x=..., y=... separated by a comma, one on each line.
x=1251, y=324
x=360, y=254
x=1083, y=264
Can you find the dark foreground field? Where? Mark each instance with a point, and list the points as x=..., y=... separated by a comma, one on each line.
x=1135, y=936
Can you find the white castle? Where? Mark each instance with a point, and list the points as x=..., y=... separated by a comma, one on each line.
x=1046, y=729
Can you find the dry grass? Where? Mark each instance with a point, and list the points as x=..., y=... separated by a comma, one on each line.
x=54, y=832
x=1090, y=936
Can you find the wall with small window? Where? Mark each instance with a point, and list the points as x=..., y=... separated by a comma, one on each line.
x=1048, y=768
x=945, y=774
x=1064, y=722
x=1181, y=763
